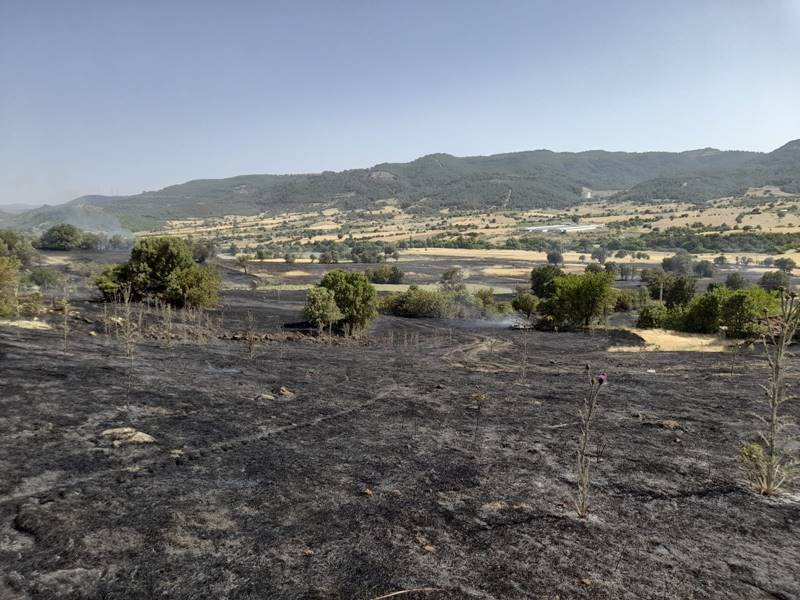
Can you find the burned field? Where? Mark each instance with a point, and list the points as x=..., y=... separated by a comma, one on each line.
x=430, y=455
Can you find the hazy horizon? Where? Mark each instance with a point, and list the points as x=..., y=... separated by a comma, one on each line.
x=100, y=99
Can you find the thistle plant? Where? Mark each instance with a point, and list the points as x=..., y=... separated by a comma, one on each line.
x=586, y=414
x=766, y=463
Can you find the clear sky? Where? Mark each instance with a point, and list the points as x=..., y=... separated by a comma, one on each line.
x=119, y=97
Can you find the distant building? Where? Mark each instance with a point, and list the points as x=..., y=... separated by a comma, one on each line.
x=565, y=228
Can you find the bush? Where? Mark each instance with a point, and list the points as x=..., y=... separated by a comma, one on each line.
x=652, y=316
x=419, y=303
x=578, y=300
x=739, y=311
x=44, y=278
x=320, y=309
x=595, y=268
x=542, y=279
x=354, y=296
x=384, y=274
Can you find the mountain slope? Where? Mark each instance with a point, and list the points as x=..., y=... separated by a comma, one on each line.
x=534, y=179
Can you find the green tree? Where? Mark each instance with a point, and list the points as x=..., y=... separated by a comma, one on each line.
x=554, y=257
x=785, y=264
x=452, y=280
x=162, y=267
x=742, y=309
x=680, y=263
x=542, y=279
x=735, y=281
x=61, y=237
x=578, y=300
x=703, y=268
x=9, y=285
x=195, y=285
x=321, y=309
x=355, y=297
x=773, y=280
x=16, y=245
x=241, y=262
x=679, y=290
x=203, y=250
x=152, y=262
x=385, y=274
x=600, y=254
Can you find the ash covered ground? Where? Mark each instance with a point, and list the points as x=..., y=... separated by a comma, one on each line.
x=352, y=469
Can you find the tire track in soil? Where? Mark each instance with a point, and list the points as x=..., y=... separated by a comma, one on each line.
x=150, y=466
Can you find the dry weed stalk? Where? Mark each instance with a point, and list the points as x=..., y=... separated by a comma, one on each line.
x=65, y=301
x=767, y=465
x=127, y=326
x=250, y=335
x=586, y=414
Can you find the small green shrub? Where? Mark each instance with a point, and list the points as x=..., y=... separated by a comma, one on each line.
x=526, y=303
x=417, y=302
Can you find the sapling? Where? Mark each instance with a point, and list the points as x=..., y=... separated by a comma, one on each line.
x=586, y=414
x=766, y=463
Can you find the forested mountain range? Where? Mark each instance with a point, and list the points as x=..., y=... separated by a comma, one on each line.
x=518, y=180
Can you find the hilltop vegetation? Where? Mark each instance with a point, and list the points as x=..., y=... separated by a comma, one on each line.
x=521, y=180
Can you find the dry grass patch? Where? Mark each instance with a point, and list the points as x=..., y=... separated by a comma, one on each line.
x=24, y=324
x=499, y=271
x=661, y=340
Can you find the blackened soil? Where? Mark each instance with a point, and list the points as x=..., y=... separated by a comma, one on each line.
x=373, y=471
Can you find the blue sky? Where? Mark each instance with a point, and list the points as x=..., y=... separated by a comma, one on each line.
x=119, y=97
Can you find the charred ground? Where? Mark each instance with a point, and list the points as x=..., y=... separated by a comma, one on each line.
x=351, y=469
